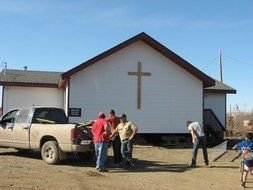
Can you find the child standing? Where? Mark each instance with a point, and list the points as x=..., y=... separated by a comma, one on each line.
x=246, y=148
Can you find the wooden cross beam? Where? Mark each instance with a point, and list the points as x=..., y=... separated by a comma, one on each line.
x=139, y=74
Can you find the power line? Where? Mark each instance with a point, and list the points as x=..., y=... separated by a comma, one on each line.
x=234, y=59
x=237, y=60
x=207, y=65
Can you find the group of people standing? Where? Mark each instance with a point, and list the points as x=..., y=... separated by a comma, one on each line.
x=118, y=130
x=121, y=132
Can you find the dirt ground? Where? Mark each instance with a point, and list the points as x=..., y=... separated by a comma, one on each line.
x=156, y=168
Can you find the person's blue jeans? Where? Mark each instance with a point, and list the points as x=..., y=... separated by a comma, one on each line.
x=101, y=154
x=199, y=141
x=126, y=149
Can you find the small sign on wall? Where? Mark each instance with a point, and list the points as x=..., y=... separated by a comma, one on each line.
x=75, y=112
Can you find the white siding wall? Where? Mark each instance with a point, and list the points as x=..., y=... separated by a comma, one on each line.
x=170, y=96
x=15, y=97
x=216, y=102
x=65, y=97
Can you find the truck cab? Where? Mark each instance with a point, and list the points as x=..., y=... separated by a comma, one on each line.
x=45, y=129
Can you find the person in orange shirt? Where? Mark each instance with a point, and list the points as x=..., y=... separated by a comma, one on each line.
x=116, y=143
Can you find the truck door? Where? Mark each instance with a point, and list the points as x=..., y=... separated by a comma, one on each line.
x=6, y=128
x=21, y=129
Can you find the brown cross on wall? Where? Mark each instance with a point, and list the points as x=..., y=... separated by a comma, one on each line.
x=139, y=74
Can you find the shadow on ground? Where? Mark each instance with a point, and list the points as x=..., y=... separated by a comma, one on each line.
x=140, y=165
x=222, y=167
x=25, y=154
x=75, y=161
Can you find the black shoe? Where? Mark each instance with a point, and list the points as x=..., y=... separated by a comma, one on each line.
x=243, y=184
x=132, y=163
x=192, y=165
x=207, y=164
x=103, y=170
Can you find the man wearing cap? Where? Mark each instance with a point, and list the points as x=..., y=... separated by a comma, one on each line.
x=101, y=137
x=126, y=130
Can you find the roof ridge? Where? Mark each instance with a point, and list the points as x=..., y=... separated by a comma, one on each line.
x=207, y=81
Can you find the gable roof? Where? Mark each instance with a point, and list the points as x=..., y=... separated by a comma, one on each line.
x=11, y=77
x=51, y=79
x=220, y=87
x=207, y=81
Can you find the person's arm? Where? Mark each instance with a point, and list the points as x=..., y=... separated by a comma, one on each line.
x=134, y=129
x=133, y=134
x=92, y=129
x=193, y=135
x=113, y=133
x=108, y=119
x=238, y=146
x=107, y=129
x=92, y=122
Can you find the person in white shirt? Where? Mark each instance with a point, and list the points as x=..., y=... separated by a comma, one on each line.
x=198, y=138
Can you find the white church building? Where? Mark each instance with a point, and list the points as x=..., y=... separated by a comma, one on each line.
x=157, y=89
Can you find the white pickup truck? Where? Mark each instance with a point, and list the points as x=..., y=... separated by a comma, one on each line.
x=47, y=130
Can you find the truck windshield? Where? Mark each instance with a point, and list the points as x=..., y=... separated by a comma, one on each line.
x=49, y=116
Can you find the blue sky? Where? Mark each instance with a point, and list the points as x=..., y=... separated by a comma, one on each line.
x=57, y=35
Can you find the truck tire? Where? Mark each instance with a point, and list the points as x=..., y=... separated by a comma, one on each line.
x=50, y=152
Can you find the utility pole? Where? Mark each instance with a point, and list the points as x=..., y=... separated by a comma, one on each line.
x=221, y=78
x=5, y=66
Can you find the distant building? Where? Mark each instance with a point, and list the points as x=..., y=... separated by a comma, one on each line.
x=23, y=88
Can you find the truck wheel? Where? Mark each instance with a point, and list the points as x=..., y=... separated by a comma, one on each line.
x=50, y=152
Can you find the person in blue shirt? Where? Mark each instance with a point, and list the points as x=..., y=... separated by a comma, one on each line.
x=246, y=148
